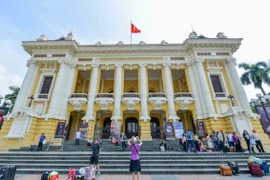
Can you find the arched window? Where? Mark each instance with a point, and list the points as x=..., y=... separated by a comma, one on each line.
x=152, y=90
x=110, y=91
x=131, y=90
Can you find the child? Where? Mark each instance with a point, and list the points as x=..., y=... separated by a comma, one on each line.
x=90, y=142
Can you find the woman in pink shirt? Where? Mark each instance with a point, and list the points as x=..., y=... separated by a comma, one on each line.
x=135, y=164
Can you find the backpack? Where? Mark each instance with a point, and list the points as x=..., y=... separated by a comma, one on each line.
x=189, y=135
x=124, y=137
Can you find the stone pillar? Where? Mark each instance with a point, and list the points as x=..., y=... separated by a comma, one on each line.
x=27, y=86
x=143, y=93
x=195, y=91
x=57, y=95
x=169, y=92
x=67, y=92
x=207, y=100
x=237, y=86
x=118, y=93
x=92, y=93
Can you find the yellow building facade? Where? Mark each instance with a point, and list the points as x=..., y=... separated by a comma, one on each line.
x=139, y=85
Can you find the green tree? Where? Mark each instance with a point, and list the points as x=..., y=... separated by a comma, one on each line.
x=255, y=74
x=12, y=96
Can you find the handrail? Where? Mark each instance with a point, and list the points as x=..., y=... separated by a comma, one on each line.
x=130, y=94
x=105, y=95
x=157, y=94
x=63, y=143
x=182, y=94
x=78, y=95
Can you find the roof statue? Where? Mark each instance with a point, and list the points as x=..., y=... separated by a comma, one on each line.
x=120, y=43
x=98, y=43
x=141, y=43
x=221, y=35
x=164, y=42
x=42, y=38
x=70, y=36
x=193, y=35
x=202, y=36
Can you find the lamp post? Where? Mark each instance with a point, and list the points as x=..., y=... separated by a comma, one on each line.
x=231, y=99
x=262, y=100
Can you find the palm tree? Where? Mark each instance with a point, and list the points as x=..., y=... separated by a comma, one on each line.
x=12, y=97
x=256, y=74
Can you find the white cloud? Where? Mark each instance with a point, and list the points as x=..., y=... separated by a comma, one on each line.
x=8, y=79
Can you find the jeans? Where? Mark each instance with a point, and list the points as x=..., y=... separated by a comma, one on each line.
x=123, y=145
x=216, y=145
x=77, y=142
x=231, y=144
x=190, y=142
x=222, y=146
x=248, y=144
x=40, y=144
x=259, y=146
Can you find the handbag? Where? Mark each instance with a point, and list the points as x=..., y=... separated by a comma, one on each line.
x=252, y=142
x=44, y=141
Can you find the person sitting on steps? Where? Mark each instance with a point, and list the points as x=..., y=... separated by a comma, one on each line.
x=163, y=146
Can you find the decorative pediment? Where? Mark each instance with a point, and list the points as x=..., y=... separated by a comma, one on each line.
x=78, y=102
x=130, y=101
x=157, y=102
x=184, y=102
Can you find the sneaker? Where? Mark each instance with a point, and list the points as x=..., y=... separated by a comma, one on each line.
x=98, y=174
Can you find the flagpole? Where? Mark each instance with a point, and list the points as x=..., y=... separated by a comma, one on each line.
x=130, y=33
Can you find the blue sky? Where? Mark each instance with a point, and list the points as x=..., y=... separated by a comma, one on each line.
x=108, y=21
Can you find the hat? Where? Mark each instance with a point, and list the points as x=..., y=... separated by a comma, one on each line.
x=135, y=139
x=221, y=129
x=253, y=130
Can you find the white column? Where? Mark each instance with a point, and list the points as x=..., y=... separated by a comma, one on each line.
x=195, y=91
x=118, y=93
x=92, y=94
x=143, y=93
x=27, y=86
x=67, y=92
x=208, y=103
x=237, y=86
x=169, y=92
x=57, y=95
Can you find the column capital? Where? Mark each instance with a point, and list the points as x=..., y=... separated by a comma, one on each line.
x=198, y=61
x=96, y=59
x=231, y=60
x=95, y=65
x=190, y=64
x=66, y=62
x=29, y=62
x=166, y=65
x=143, y=65
x=119, y=65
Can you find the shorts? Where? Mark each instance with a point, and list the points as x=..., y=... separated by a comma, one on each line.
x=135, y=166
x=94, y=160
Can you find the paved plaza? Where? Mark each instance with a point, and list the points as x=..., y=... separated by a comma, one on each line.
x=159, y=177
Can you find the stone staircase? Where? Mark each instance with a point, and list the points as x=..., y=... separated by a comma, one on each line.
x=107, y=146
x=118, y=162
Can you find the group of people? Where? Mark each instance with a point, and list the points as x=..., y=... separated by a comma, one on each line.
x=120, y=140
x=219, y=141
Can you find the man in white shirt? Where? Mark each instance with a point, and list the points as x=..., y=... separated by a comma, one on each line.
x=230, y=139
x=257, y=139
x=78, y=137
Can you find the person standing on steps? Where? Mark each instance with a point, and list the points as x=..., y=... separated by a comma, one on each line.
x=123, y=139
x=95, y=155
x=247, y=137
x=77, y=138
x=214, y=137
x=190, y=141
x=40, y=143
x=257, y=139
x=135, y=164
x=222, y=140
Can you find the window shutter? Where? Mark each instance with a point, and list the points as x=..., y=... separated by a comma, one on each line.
x=46, y=85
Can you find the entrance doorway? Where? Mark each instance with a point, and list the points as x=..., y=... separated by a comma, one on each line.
x=74, y=123
x=106, y=128
x=131, y=127
x=155, y=128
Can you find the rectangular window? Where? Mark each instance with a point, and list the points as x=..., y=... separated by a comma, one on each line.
x=217, y=86
x=46, y=86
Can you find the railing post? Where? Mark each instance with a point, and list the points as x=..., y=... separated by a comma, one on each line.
x=63, y=143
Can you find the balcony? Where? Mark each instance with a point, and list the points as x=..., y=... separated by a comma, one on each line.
x=184, y=99
x=78, y=100
x=157, y=99
x=43, y=96
x=104, y=100
x=131, y=99
x=220, y=95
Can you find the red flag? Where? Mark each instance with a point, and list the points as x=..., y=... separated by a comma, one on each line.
x=134, y=29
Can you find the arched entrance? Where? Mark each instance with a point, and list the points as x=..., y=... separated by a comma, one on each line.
x=131, y=127
x=106, y=128
x=155, y=128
